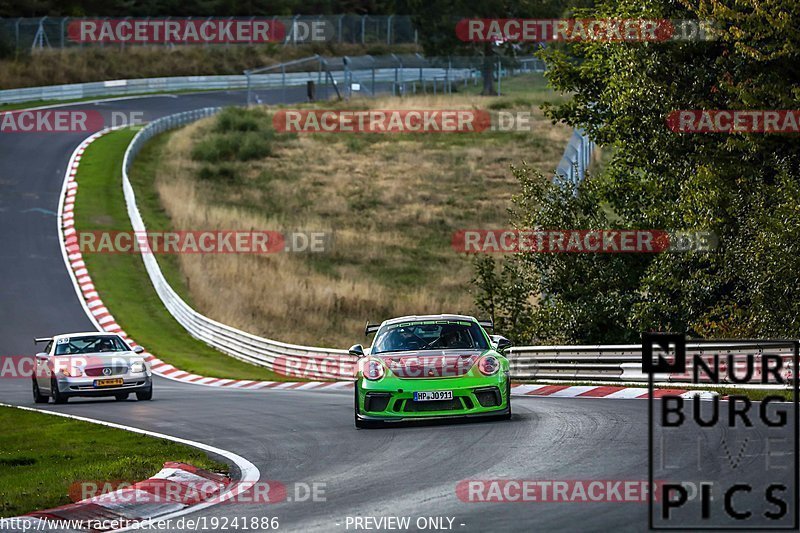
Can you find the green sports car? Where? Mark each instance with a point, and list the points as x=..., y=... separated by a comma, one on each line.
x=435, y=366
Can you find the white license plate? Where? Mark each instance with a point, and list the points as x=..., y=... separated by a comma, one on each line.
x=433, y=395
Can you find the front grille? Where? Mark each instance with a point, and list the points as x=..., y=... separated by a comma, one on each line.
x=96, y=372
x=489, y=397
x=376, y=401
x=436, y=405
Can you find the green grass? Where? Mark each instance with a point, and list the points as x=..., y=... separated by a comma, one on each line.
x=122, y=280
x=518, y=91
x=41, y=455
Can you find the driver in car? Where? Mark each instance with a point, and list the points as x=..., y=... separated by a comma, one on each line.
x=402, y=339
x=105, y=345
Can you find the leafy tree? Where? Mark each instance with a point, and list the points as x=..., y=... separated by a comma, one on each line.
x=744, y=187
x=436, y=24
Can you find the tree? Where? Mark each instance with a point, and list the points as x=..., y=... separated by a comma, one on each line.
x=436, y=24
x=744, y=187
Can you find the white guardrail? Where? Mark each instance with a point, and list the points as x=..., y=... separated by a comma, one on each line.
x=278, y=356
x=201, y=83
x=620, y=363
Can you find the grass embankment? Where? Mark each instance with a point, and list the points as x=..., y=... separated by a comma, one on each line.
x=392, y=202
x=80, y=65
x=41, y=455
x=122, y=280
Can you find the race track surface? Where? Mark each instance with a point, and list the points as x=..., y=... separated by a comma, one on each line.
x=307, y=437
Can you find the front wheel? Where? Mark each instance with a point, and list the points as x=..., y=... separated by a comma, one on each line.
x=38, y=397
x=146, y=395
x=57, y=396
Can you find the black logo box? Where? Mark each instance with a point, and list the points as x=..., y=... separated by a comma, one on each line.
x=676, y=344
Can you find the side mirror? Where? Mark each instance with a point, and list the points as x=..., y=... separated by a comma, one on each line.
x=42, y=356
x=356, y=350
x=138, y=349
x=500, y=343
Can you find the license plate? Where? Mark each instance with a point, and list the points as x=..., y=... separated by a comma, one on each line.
x=108, y=382
x=433, y=395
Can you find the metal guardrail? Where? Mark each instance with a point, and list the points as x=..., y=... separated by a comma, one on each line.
x=624, y=362
x=184, y=83
x=621, y=363
x=283, y=357
x=577, y=157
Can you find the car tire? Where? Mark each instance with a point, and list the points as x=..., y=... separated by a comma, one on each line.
x=38, y=397
x=57, y=396
x=145, y=395
x=121, y=397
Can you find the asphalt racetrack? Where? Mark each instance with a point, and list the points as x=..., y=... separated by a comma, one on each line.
x=297, y=437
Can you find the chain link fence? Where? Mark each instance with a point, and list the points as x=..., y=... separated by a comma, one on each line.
x=52, y=32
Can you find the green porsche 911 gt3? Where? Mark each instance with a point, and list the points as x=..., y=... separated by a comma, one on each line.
x=436, y=366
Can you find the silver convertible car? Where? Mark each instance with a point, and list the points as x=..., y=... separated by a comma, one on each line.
x=90, y=364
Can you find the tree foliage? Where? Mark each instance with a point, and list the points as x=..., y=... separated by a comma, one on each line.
x=744, y=187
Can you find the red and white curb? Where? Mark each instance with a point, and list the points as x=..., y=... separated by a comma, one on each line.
x=101, y=317
x=99, y=314
x=176, y=487
x=614, y=392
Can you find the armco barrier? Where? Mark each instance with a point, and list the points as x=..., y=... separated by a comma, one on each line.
x=624, y=362
x=567, y=363
x=333, y=364
x=200, y=83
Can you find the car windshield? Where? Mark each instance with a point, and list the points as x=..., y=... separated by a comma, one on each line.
x=429, y=335
x=90, y=344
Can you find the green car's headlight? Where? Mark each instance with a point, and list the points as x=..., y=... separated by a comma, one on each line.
x=137, y=367
x=488, y=365
x=374, y=370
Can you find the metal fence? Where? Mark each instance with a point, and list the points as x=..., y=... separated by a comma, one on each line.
x=623, y=363
x=282, y=357
x=52, y=32
x=577, y=158
x=405, y=74
x=610, y=363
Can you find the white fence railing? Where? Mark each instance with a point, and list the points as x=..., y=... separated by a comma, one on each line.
x=576, y=159
x=278, y=356
x=624, y=362
x=201, y=83
x=621, y=363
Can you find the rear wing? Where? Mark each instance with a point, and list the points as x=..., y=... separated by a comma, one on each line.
x=37, y=340
x=487, y=324
x=370, y=328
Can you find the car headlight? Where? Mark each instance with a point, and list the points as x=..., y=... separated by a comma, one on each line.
x=374, y=370
x=137, y=367
x=74, y=372
x=488, y=365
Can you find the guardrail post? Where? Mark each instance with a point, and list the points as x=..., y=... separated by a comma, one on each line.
x=363, y=28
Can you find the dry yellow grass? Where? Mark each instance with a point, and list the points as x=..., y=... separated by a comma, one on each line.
x=392, y=202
